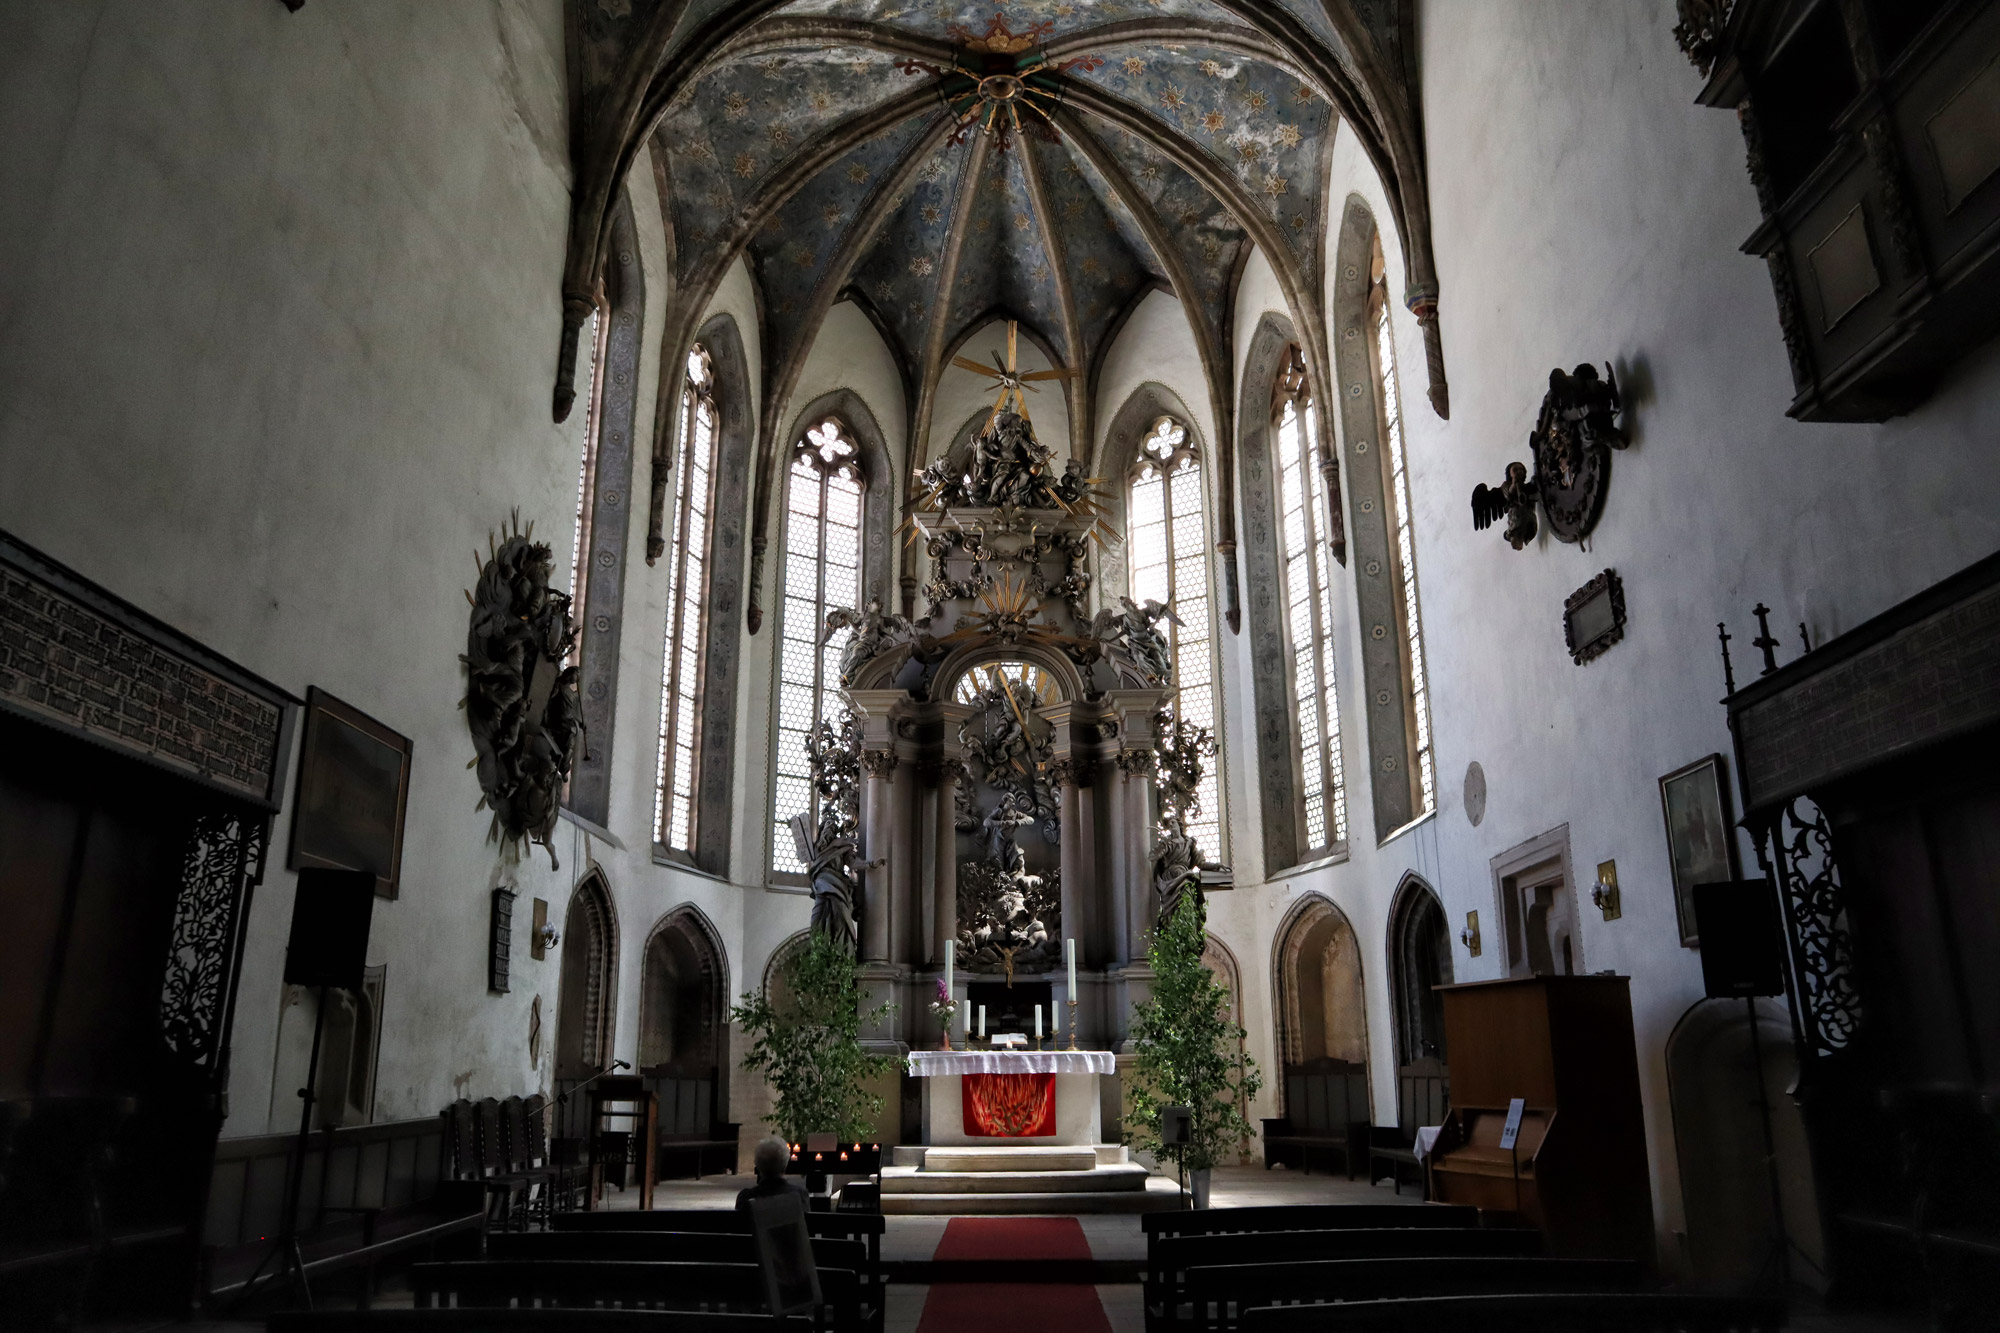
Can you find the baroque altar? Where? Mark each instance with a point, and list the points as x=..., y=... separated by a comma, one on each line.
x=1011, y=774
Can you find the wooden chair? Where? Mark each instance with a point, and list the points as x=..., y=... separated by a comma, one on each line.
x=1643, y=1313
x=1169, y=1260
x=1326, y=1109
x=1218, y=1295
x=1423, y=1097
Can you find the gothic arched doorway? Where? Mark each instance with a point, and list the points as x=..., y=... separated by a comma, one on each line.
x=1322, y=1025
x=588, y=990
x=683, y=989
x=1419, y=962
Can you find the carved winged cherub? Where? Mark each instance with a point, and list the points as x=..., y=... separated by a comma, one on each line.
x=875, y=631
x=1140, y=628
x=1513, y=500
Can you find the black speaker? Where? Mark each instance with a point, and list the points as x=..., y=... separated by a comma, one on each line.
x=331, y=913
x=1742, y=947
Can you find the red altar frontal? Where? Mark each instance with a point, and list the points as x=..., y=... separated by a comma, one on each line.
x=1012, y=1097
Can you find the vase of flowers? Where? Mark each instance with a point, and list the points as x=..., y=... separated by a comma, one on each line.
x=946, y=1009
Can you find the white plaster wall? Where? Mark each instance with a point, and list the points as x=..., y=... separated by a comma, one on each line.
x=277, y=337
x=1586, y=210
x=960, y=393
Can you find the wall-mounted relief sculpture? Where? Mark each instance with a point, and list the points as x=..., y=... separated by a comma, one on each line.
x=520, y=693
x=1571, y=445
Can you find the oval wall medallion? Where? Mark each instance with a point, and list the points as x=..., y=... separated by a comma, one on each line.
x=1475, y=793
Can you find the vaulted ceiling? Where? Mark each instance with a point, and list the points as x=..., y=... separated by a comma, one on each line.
x=943, y=162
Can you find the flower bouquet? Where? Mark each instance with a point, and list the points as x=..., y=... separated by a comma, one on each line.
x=946, y=1009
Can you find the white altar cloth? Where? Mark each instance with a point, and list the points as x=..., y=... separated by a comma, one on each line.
x=1078, y=1118
x=936, y=1064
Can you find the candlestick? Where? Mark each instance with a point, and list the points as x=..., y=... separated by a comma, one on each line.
x=1072, y=1025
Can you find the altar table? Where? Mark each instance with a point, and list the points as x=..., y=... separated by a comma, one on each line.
x=1007, y=1103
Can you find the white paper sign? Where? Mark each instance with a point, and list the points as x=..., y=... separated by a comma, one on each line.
x=1512, y=1129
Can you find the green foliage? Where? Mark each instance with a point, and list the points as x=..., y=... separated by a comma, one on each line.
x=808, y=1046
x=1190, y=1053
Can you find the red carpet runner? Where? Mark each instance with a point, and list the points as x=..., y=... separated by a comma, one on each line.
x=1009, y=1307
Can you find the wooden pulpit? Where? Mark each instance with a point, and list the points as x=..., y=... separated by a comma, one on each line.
x=624, y=1114
x=1577, y=1168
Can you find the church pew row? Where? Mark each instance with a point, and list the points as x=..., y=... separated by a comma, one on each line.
x=483, y=1320
x=1219, y=1295
x=1655, y=1312
x=730, y=1288
x=1169, y=1259
x=1306, y=1217
x=687, y=1247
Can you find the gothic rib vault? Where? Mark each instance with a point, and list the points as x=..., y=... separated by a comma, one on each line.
x=943, y=163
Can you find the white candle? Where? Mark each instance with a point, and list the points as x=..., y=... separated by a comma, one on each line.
x=1038, y=1022
x=1069, y=951
x=950, y=948
x=982, y=1022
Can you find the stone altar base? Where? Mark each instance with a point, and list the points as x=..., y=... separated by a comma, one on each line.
x=1090, y=1178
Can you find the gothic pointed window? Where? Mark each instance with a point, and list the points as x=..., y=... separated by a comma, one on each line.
x=686, y=562
x=586, y=484
x=1307, y=571
x=1169, y=553
x=1403, y=557
x=822, y=570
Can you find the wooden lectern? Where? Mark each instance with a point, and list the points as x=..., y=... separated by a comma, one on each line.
x=629, y=1101
x=1577, y=1169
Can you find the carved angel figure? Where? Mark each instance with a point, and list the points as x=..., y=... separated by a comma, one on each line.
x=1513, y=500
x=1143, y=639
x=875, y=632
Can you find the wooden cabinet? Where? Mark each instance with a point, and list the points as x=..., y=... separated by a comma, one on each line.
x=1577, y=1170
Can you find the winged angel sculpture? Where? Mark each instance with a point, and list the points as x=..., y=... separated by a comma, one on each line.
x=1571, y=446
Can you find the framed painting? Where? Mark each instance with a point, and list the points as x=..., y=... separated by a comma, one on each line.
x=354, y=788
x=1701, y=843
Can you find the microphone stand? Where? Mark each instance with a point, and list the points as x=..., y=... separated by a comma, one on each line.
x=291, y=1264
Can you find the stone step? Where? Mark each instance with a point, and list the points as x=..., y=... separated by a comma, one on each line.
x=903, y=1180
x=1009, y=1159
x=1159, y=1196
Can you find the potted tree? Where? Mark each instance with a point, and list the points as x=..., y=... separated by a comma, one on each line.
x=807, y=1045
x=1189, y=1050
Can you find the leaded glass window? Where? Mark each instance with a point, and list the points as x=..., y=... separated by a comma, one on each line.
x=686, y=563
x=586, y=485
x=1169, y=546
x=1309, y=609
x=822, y=570
x=1403, y=552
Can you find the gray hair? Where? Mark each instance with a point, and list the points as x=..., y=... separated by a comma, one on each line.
x=771, y=1156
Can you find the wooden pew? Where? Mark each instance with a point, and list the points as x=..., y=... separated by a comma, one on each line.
x=829, y=1252
x=530, y=1321
x=722, y=1287
x=1306, y=1217
x=1631, y=1313
x=1169, y=1259
x=1219, y=1295
x=865, y=1227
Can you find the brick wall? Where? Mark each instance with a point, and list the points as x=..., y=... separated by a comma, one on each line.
x=70, y=664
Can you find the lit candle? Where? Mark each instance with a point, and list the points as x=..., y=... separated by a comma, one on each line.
x=982, y=1022
x=1069, y=951
x=1038, y=1022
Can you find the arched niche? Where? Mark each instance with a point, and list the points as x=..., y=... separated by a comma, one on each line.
x=1419, y=946
x=587, y=994
x=722, y=633
x=1321, y=1008
x=879, y=483
x=683, y=997
x=1129, y=426
x=775, y=990
x=1712, y=1072
x=1061, y=673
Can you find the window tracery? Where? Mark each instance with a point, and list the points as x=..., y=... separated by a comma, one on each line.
x=686, y=563
x=586, y=481
x=822, y=570
x=1169, y=563
x=1402, y=554
x=1309, y=605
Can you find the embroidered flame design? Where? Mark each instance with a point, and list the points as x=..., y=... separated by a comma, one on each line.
x=1011, y=1106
